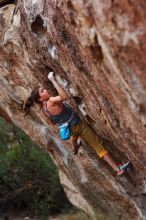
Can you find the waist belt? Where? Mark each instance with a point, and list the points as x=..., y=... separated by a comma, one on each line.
x=69, y=120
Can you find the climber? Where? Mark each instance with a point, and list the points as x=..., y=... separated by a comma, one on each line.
x=60, y=113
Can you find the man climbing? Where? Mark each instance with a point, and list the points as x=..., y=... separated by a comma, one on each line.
x=60, y=113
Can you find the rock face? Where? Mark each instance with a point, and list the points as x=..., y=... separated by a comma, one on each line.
x=97, y=50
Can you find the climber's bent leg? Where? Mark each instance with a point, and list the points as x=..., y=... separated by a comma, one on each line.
x=91, y=137
x=83, y=130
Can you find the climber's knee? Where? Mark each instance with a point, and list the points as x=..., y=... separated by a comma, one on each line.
x=100, y=149
x=102, y=152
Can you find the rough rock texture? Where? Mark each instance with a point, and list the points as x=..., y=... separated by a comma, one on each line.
x=97, y=49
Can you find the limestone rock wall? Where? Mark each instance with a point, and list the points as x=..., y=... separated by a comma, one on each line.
x=97, y=49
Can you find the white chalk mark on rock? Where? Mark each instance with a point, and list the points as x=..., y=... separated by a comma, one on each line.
x=62, y=149
x=83, y=175
x=45, y=131
x=52, y=51
x=82, y=109
x=131, y=36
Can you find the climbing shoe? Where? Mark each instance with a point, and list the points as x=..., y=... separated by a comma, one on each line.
x=77, y=146
x=75, y=150
x=122, y=168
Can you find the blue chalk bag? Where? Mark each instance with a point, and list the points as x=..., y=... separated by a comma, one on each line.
x=64, y=131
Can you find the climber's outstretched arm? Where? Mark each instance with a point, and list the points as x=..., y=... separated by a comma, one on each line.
x=62, y=93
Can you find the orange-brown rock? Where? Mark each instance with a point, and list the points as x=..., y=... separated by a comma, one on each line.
x=97, y=50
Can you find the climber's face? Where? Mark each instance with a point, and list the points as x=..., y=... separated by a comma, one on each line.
x=44, y=94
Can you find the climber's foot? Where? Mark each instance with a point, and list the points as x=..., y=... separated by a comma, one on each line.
x=122, y=168
x=75, y=150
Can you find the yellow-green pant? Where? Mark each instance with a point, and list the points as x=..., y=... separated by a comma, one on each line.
x=85, y=132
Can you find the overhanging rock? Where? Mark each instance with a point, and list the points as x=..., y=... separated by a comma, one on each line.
x=97, y=50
